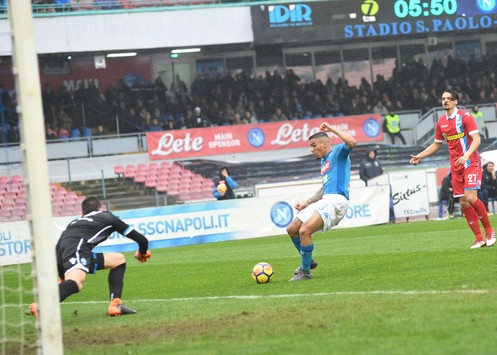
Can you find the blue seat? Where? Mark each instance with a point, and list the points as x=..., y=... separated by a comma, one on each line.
x=109, y=4
x=75, y=133
x=328, y=115
x=87, y=132
x=178, y=115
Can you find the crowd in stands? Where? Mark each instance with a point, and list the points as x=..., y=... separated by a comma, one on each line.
x=40, y=6
x=243, y=99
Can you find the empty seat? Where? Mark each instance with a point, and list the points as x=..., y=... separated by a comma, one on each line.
x=140, y=177
x=16, y=178
x=75, y=133
x=87, y=132
x=5, y=214
x=151, y=183
x=129, y=173
x=119, y=170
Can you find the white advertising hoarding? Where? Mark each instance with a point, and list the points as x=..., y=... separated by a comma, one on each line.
x=203, y=222
x=409, y=193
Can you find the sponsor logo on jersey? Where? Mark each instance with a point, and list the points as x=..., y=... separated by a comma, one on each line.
x=325, y=167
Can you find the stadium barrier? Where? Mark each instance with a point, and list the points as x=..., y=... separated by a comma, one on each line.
x=180, y=225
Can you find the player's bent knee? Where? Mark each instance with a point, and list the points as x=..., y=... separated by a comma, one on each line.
x=305, y=232
x=293, y=229
x=111, y=260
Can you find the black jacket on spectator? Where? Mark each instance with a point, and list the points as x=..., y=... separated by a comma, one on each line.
x=370, y=168
x=487, y=183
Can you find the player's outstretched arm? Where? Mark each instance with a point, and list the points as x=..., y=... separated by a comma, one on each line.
x=433, y=148
x=344, y=136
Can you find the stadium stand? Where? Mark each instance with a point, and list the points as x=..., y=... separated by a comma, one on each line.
x=65, y=202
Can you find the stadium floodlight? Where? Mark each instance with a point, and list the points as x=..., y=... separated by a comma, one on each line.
x=124, y=54
x=186, y=50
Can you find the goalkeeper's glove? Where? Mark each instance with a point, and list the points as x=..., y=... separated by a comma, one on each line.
x=142, y=257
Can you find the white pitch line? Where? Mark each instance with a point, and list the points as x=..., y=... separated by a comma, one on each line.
x=295, y=295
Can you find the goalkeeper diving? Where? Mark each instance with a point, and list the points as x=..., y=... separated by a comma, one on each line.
x=75, y=258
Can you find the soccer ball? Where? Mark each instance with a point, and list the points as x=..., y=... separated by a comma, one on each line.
x=262, y=273
x=221, y=188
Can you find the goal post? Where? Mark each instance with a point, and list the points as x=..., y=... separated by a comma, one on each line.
x=33, y=145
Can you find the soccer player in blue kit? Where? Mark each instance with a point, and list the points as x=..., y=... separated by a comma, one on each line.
x=328, y=206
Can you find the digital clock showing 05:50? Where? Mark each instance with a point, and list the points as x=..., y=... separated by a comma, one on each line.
x=422, y=8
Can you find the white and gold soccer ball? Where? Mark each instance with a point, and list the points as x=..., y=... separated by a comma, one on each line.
x=262, y=273
x=221, y=188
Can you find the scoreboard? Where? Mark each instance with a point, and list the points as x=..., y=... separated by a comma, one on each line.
x=346, y=20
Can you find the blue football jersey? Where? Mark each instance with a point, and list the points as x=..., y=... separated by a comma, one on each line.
x=335, y=171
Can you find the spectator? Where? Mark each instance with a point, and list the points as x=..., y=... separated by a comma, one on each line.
x=63, y=133
x=178, y=86
x=248, y=117
x=480, y=120
x=224, y=185
x=63, y=118
x=198, y=87
x=100, y=131
x=215, y=113
x=318, y=106
x=488, y=184
x=170, y=125
x=13, y=135
x=199, y=120
x=182, y=124
x=155, y=126
x=370, y=167
x=380, y=109
x=160, y=89
x=279, y=115
x=3, y=136
x=228, y=114
x=391, y=126
x=146, y=120
x=446, y=196
x=237, y=119
x=50, y=135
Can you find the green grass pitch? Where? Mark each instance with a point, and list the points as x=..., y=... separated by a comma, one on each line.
x=408, y=288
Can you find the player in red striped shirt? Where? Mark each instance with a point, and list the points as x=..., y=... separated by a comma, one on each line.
x=459, y=129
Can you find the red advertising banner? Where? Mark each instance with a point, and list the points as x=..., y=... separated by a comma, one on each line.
x=256, y=137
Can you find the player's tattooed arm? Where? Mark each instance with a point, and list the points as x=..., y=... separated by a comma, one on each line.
x=317, y=196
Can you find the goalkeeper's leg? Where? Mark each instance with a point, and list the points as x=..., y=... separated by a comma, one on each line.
x=117, y=263
x=71, y=285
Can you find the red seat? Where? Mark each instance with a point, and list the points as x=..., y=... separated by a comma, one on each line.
x=151, y=183
x=16, y=178
x=129, y=174
x=119, y=170
x=5, y=214
x=140, y=177
x=161, y=188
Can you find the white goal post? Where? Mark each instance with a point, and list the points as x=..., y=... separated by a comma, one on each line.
x=33, y=145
